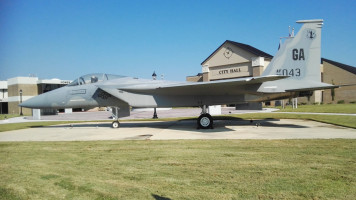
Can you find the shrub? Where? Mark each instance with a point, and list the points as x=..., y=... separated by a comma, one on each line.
x=341, y=102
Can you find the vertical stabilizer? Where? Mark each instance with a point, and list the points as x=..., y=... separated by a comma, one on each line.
x=299, y=58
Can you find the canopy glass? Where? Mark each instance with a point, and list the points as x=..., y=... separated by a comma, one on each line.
x=93, y=78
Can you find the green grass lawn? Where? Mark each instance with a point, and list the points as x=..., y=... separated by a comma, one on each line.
x=326, y=108
x=8, y=116
x=199, y=169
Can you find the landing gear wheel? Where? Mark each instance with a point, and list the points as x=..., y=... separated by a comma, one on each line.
x=205, y=121
x=115, y=124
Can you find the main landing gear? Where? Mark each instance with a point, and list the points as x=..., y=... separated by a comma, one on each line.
x=205, y=121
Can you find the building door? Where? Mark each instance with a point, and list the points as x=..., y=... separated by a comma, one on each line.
x=4, y=108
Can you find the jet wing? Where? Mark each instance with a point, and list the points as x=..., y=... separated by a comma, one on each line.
x=220, y=87
x=229, y=82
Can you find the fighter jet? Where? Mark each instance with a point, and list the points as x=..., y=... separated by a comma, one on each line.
x=293, y=72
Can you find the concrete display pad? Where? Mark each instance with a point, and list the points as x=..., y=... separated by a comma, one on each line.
x=177, y=130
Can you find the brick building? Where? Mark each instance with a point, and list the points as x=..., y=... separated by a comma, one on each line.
x=338, y=74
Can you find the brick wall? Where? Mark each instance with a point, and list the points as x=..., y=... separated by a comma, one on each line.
x=337, y=76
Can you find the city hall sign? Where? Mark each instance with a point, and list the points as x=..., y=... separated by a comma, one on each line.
x=230, y=71
x=226, y=71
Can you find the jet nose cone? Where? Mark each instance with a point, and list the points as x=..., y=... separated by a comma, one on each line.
x=34, y=102
x=53, y=99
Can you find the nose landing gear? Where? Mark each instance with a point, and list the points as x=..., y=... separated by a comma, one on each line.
x=116, y=123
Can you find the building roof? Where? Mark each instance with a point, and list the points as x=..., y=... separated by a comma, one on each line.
x=245, y=47
x=348, y=68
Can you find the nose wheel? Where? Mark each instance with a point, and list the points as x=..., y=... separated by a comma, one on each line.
x=115, y=124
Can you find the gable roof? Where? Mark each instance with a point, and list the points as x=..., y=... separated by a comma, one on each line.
x=245, y=47
x=348, y=68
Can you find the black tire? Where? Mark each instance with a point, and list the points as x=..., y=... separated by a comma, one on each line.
x=115, y=124
x=205, y=121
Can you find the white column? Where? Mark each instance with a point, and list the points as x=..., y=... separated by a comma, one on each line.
x=68, y=110
x=215, y=110
x=296, y=102
x=36, y=114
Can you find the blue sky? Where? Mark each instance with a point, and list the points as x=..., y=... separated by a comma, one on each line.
x=66, y=39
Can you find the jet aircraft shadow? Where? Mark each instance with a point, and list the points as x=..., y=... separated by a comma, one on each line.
x=221, y=124
x=181, y=125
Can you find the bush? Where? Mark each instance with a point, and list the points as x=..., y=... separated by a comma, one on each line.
x=352, y=102
x=341, y=102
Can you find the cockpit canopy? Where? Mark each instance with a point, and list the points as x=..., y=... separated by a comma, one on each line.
x=93, y=78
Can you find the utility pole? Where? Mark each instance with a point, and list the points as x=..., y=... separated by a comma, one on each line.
x=154, y=77
x=21, y=102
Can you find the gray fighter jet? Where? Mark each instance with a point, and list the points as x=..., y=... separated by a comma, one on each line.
x=294, y=71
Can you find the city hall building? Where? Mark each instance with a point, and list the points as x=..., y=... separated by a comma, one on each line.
x=232, y=60
x=237, y=60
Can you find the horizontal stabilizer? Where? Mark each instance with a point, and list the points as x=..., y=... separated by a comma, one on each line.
x=325, y=86
x=313, y=88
